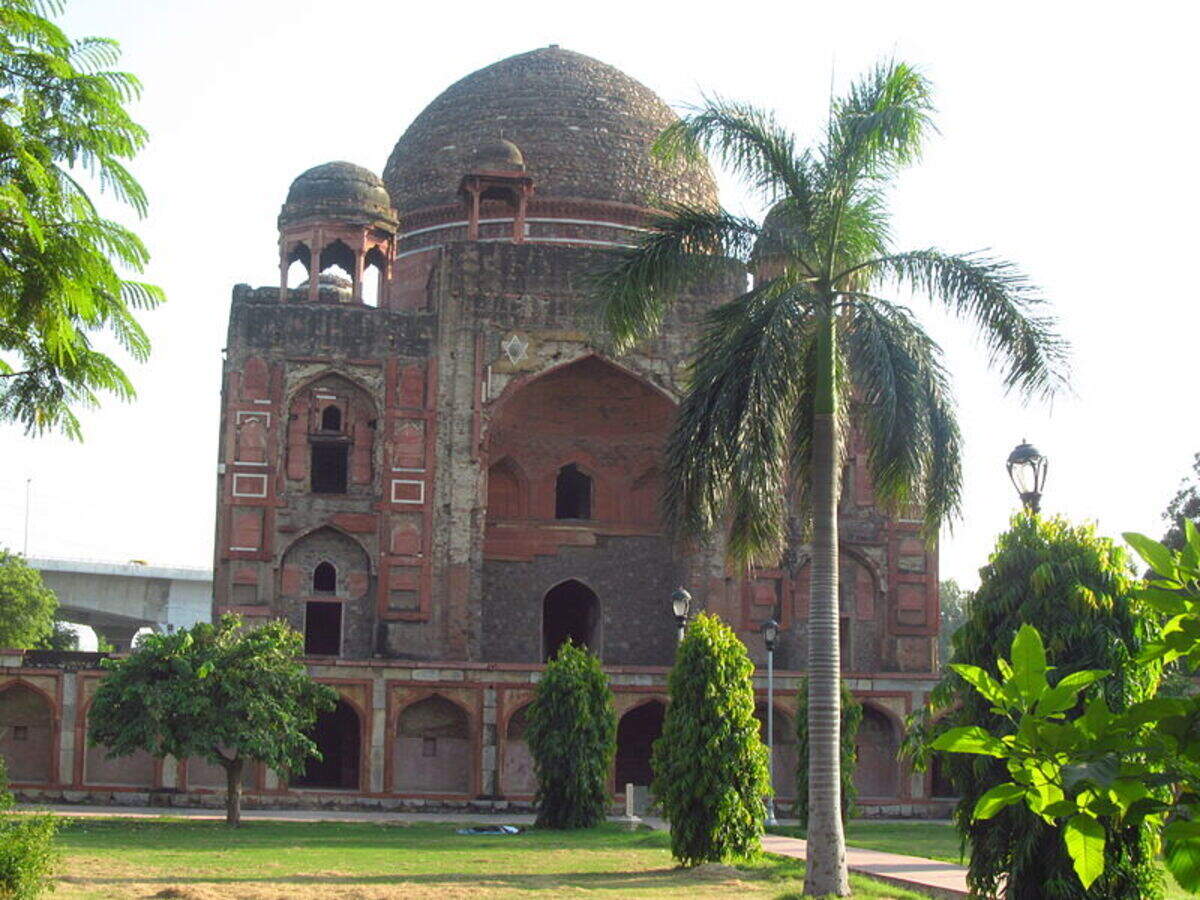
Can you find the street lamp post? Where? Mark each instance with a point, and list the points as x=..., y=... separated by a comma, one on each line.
x=681, y=604
x=1027, y=469
x=770, y=631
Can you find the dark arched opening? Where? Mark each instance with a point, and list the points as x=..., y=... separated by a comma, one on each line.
x=572, y=494
x=331, y=419
x=570, y=611
x=325, y=578
x=337, y=738
x=636, y=733
x=786, y=756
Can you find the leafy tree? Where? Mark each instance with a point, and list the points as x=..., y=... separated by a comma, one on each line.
x=1098, y=771
x=710, y=766
x=852, y=714
x=27, y=606
x=222, y=693
x=777, y=368
x=572, y=736
x=62, y=117
x=953, y=601
x=1184, y=506
x=62, y=637
x=1075, y=588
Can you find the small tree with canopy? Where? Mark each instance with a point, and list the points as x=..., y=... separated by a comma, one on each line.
x=223, y=693
x=27, y=606
x=572, y=736
x=710, y=767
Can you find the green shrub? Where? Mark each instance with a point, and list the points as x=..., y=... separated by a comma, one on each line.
x=27, y=854
x=852, y=714
x=572, y=736
x=1074, y=587
x=710, y=767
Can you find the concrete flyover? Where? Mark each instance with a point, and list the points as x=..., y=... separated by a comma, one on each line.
x=119, y=599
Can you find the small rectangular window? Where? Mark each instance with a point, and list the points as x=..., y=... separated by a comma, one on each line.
x=20, y=732
x=322, y=628
x=329, y=468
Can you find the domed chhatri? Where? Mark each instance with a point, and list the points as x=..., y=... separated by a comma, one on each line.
x=499, y=156
x=584, y=127
x=339, y=191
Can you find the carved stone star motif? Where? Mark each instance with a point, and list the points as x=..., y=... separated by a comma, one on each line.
x=514, y=348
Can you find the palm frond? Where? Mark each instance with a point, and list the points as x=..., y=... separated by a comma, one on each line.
x=905, y=408
x=635, y=284
x=745, y=139
x=727, y=454
x=1001, y=301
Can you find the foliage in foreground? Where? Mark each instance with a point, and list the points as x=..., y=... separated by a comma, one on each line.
x=852, y=713
x=64, y=121
x=27, y=606
x=710, y=767
x=27, y=851
x=222, y=693
x=1076, y=588
x=572, y=737
x=1098, y=772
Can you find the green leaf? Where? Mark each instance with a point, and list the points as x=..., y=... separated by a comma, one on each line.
x=1156, y=556
x=996, y=799
x=984, y=683
x=1084, y=837
x=1029, y=663
x=1182, y=856
x=970, y=739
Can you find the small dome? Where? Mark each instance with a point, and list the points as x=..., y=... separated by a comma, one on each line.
x=499, y=156
x=331, y=286
x=339, y=191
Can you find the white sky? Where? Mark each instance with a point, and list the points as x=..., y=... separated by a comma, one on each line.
x=1067, y=145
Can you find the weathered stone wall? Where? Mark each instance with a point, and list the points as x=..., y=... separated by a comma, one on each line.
x=633, y=577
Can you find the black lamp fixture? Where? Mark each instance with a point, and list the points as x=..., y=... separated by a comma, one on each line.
x=770, y=632
x=1027, y=469
x=681, y=605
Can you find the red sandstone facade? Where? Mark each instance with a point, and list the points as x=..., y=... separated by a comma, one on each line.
x=430, y=466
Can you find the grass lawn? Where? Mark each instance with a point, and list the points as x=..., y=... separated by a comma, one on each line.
x=931, y=840
x=198, y=860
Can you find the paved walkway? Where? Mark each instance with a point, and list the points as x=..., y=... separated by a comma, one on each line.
x=925, y=876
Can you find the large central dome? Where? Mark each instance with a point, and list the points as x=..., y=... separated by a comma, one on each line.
x=584, y=130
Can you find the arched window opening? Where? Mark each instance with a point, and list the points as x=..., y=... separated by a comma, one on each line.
x=572, y=494
x=324, y=578
x=433, y=748
x=636, y=733
x=297, y=274
x=570, y=611
x=336, y=735
x=372, y=277
x=330, y=467
x=331, y=419
x=499, y=194
x=322, y=628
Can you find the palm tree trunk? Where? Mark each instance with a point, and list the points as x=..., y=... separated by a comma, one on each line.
x=233, y=792
x=826, y=856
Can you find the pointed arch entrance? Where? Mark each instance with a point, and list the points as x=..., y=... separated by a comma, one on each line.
x=570, y=611
x=636, y=733
x=338, y=738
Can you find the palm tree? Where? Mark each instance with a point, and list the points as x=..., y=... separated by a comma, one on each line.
x=780, y=370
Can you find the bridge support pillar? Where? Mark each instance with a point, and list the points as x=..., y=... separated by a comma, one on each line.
x=120, y=636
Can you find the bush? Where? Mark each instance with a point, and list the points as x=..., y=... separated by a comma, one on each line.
x=852, y=714
x=572, y=736
x=27, y=854
x=710, y=767
x=1074, y=587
